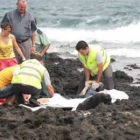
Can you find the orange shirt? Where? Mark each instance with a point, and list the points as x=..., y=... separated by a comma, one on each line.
x=6, y=76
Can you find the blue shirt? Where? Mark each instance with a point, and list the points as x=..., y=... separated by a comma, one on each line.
x=23, y=27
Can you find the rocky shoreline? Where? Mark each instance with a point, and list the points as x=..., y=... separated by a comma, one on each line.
x=117, y=121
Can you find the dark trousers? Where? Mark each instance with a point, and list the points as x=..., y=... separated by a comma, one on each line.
x=20, y=89
x=108, y=79
x=6, y=91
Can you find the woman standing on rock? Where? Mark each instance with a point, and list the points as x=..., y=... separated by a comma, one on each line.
x=7, y=41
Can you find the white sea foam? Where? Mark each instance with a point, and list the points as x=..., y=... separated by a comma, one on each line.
x=126, y=52
x=127, y=34
x=122, y=52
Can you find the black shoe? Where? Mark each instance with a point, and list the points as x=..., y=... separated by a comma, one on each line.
x=33, y=103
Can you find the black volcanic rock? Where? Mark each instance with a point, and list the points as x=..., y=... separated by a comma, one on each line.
x=64, y=74
x=94, y=101
x=134, y=66
x=99, y=120
x=113, y=60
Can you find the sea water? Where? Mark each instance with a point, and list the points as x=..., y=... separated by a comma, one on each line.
x=114, y=24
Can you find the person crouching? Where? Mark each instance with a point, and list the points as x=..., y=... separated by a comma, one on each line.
x=28, y=80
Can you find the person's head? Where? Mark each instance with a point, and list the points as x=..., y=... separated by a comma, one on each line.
x=37, y=57
x=21, y=6
x=6, y=28
x=82, y=47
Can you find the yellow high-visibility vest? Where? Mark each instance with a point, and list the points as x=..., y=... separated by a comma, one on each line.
x=90, y=63
x=31, y=73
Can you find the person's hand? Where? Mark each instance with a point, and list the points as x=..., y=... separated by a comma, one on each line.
x=33, y=49
x=95, y=85
x=40, y=54
x=27, y=97
x=23, y=59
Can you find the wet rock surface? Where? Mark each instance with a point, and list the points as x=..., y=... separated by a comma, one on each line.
x=103, y=121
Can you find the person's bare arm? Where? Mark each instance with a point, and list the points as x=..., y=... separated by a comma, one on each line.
x=17, y=47
x=44, y=50
x=99, y=60
x=87, y=73
x=100, y=72
x=50, y=90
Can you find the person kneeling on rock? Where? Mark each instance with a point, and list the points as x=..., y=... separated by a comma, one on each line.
x=28, y=80
x=96, y=63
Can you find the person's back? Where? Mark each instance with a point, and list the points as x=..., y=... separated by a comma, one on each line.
x=6, y=75
x=31, y=73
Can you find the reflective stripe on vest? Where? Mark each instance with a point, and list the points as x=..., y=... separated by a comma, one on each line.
x=90, y=63
x=31, y=73
x=25, y=73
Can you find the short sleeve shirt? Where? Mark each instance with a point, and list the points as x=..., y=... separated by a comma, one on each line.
x=23, y=27
x=47, y=78
x=41, y=41
x=6, y=75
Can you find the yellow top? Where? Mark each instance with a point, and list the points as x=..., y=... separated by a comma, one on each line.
x=6, y=76
x=6, y=49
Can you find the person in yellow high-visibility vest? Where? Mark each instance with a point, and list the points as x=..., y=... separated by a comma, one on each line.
x=96, y=62
x=28, y=80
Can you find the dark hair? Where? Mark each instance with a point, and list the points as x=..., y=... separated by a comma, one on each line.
x=81, y=45
x=36, y=56
x=35, y=20
x=6, y=25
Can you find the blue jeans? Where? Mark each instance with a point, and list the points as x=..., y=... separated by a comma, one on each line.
x=90, y=92
x=6, y=91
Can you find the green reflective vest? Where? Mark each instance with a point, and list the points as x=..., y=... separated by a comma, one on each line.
x=90, y=62
x=31, y=73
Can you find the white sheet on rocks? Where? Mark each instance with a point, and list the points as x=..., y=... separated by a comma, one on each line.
x=115, y=94
x=57, y=101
